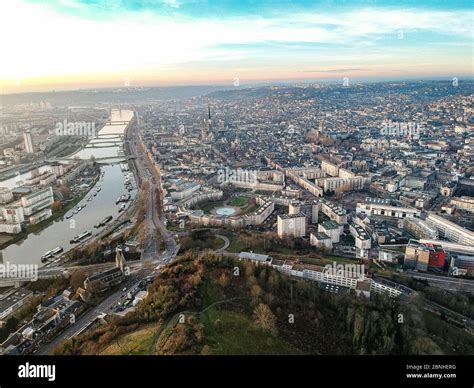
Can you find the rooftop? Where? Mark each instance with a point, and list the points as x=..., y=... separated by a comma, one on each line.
x=330, y=225
x=254, y=256
x=290, y=216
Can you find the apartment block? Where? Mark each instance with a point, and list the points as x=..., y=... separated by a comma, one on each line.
x=292, y=225
x=320, y=240
x=362, y=239
x=310, y=209
x=419, y=228
x=374, y=209
x=334, y=212
x=450, y=230
x=32, y=207
x=331, y=229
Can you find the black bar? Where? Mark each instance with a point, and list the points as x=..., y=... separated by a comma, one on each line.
x=319, y=371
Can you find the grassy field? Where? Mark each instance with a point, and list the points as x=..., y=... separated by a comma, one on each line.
x=389, y=270
x=327, y=260
x=236, y=335
x=236, y=245
x=5, y=239
x=210, y=242
x=238, y=201
x=139, y=342
x=226, y=331
x=209, y=206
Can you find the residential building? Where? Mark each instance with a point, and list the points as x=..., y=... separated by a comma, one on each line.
x=28, y=142
x=384, y=210
x=419, y=228
x=321, y=240
x=310, y=209
x=291, y=225
x=463, y=203
x=362, y=238
x=331, y=229
x=334, y=212
x=417, y=256
x=450, y=230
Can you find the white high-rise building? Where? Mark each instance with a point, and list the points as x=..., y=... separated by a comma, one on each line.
x=293, y=225
x=28, y=142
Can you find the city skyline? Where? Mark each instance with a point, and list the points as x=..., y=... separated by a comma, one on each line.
x=90, y=44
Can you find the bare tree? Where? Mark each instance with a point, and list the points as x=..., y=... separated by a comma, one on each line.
x=264, y=317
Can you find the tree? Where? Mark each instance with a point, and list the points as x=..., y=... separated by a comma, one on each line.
x=255, y=291
x=218, y=325
x=56, y=206
x=142, y=234
x=77, y=279
x=264, y=317
x=224, y=280
x=92, y=248
x=65, y=191
x=273, y=280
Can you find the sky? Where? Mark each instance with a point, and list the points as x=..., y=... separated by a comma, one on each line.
x=73, y=44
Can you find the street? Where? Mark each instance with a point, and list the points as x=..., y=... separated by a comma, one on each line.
x=151, y=257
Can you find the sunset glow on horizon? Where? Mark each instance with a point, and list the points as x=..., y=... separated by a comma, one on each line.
x=73, y=44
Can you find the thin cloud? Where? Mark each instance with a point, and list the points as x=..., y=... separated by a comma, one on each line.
x=336, y=70
x=136, y=42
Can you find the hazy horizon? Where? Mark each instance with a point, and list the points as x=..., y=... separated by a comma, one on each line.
x=83, y=44
x=256, y=84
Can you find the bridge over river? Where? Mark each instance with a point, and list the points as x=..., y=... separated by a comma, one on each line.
x=113, y=158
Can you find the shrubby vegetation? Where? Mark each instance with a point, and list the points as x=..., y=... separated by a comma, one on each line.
x=200, y=239
x=456, y=301
x=203, y=304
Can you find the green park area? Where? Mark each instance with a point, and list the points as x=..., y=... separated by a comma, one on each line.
x=238, y=201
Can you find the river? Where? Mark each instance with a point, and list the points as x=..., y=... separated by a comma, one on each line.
x=62, y=230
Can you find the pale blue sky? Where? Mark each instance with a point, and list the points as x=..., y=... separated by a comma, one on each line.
x=103, y=42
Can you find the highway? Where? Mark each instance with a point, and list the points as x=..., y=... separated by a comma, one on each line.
x=447, y=283
x=429, y=304
x=154, y=211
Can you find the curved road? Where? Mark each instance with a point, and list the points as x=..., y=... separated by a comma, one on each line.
x=226, y=243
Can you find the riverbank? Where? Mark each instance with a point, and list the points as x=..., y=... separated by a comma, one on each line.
x=36, y=228
x=13, y=171
x=27, y=247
